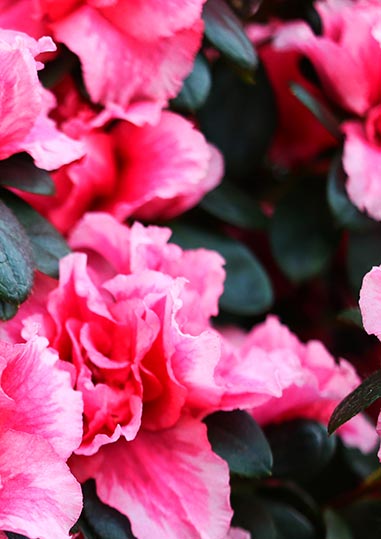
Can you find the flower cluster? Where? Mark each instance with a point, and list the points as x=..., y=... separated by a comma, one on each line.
x=130, y=343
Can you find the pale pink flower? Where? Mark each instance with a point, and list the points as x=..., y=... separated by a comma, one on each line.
x=149, y=172
x=313, y=384
x=41, y=424
x=347, y=59
x=144, y=49
x=24, y=103
x=370, y=305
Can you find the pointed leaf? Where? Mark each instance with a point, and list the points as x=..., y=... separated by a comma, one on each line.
x=100, y=521
x=225, y=31
x=357, y=401
x=196, y=86
x=48, y=246
x=16, y=266
x=230, y=204
x=320, y=111
x=239, y=440
x=20, y=172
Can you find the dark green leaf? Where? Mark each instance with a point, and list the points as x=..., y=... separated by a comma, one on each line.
x=99, y=521
x=301, y=448
x=364, y=519
x=11, y=535
x=225, y=31
x=16, y=266
x=240, y=119
x=302, y=234
x=230, y=204
x=363, y=253
x=196, y=86
x=252, y=515
x=361, y=464
x=352, y=316
x=239, y=440
x=247, y=290
x=290, y=523
x=336, y=526
x=20, y=172
x=7, y=310
x=357, y=401
x=320, y=111
x=346, y=214
x=47, y=244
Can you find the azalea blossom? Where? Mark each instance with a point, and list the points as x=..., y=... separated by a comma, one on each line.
x=25, y=125
x=313, y=383
x=41, y=426
x=149, y=172
x=346, y=58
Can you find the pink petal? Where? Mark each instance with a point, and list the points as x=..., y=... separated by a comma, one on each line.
x=370, y=302
x=45, y=403
x=127, y=70
x=173, y=485
x=38, y=497
x=362, y=161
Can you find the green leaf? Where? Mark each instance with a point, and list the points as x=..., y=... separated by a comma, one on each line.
x=16, y=266
x=361, y=464
x=301, y=448
x=99, y=521
x=239, y=440
x=352, y=315
x=336, y=526
x=247, y=288
x=363, y=253
x=8, y=310
x=196, y=86
x=251, y=514
x=12, y=535
x=345, y=213
x=48, y=246
x=320, y=111
x=228, y=203
x=240, y=119
x=357, y=401
x=225, y=31
x=302, y=234
x=363, y=518
x=20, y=172
x=290, y=523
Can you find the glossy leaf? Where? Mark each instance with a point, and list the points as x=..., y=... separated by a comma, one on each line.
x=20, y=172
x=357, y=401
x=225, y=31
x=7, y=310
x=251, y=514
x=336, y=526
x=47, y=244
x=99, y=521
x=302, y=234
x=363, y=253
x=239, y=440
x=301, y=448
x=230, y=204
x=318, y=109
x=239, y=118
x=196, y=86
x=345, y=213
x=16, y=265
x=247, y=289
x=290, y=523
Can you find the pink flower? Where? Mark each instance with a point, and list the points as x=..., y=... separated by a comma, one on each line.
x=347, y=58
x=299, y=137
x=132, y=316
x=313, y=383
x=370, y=303
x=24, y=122
x=41, y=424
x=144, y=49
x=150, y=172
